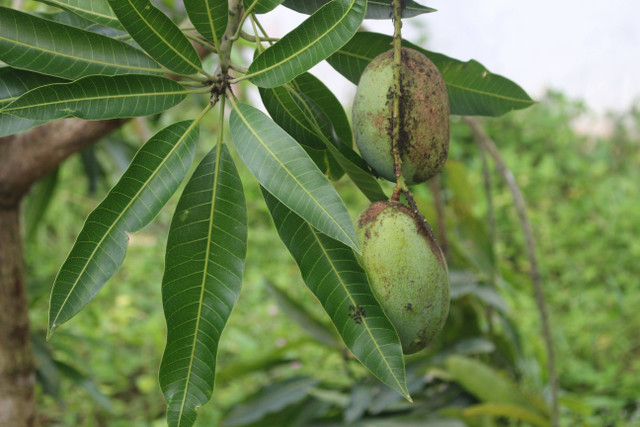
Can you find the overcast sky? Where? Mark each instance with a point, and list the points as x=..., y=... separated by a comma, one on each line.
x=588, y=49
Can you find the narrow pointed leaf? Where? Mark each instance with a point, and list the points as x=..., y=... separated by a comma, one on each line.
x=287, y=172
x=312, y=41
x=473, y=90
x=153, y=176
x=209, y=17
x=99, y=97
x=66, y=52
x=334, y=276
x=10, y=125
x=506, y=410
x=156, y=33
x=205, y=257
x=97, y=11
x=376, y=9
x=260, y=6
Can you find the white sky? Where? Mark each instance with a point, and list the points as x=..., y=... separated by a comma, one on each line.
x=588, y=49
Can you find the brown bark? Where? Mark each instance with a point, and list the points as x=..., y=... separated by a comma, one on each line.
x=16, y=360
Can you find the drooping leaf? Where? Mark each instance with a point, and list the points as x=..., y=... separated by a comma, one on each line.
x=260, y=6
x=473, y=90
x=332, y=273
x=97, y=11
x=209, y=17
x=99, y=97
x=489, y=386
x=376, y=9
x=153, y=176
x=156, y=33
x=38, y=201
x=315, y=39
x=66, y=51
x=206, y=249
x=287, y=172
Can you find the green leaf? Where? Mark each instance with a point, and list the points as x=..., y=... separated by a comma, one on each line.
x=10, y=125
x=334, y=276
x=506, y=410
x=97, y=11
x=489, y=386
x=260, y=6
x=473, y=90
x=37, y=202
x=206, y=250
x=99, y=97
x=287, y=172
x=156, y=33
x=66, y=52
x=209, y=17
x=376, y=9
x=153, y=176
x=312, y=41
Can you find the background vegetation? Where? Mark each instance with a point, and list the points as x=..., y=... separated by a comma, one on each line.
x=582, y=196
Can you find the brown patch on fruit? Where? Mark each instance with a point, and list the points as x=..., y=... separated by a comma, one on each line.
x=372, y=213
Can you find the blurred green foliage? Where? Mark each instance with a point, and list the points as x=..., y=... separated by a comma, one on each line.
x=582, y=196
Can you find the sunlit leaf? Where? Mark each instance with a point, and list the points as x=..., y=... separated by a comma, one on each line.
x=97, y=11
x=209, y=17
x=156, y=33
x=312, y=41
x=513, y=412
x=99, y=97
x=206, y=249
x=66, y=51
x=287, y=172
x=332, y=273
x=376, y=9
x=473, y=90
x=153, y=176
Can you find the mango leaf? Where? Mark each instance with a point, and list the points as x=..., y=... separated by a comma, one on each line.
x=376, y=9
x=206, y=250
x=489, y=386
x=158, y=35
x=38, y=200
x=99, y=97
x=153, y=176
x=66, y=51
x=287, y=172
x=513, y=412
x=97, y=11
x=473, y=90
x=260, y=6
x=209, y=17
x=332, y=273
x=315, y=39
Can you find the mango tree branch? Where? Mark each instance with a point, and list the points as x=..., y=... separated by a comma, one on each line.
x=486, y=143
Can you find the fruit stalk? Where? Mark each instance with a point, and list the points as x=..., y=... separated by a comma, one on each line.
x=397, y=95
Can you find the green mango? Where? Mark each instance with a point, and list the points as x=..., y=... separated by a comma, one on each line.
x=424, y=117
x=406, y=269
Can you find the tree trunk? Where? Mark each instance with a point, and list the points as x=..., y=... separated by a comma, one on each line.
x=17, y=373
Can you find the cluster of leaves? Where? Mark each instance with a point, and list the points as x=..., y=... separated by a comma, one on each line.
x=105, y=60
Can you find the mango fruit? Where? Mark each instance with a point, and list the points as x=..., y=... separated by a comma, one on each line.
x=423, y=115
x=406, y=269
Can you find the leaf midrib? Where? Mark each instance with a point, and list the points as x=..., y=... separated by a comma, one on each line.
x=291, y=175
x=118, y=219
x=308, y=46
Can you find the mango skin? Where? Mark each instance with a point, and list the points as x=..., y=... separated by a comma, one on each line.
x=406, y=270
x=424, y=117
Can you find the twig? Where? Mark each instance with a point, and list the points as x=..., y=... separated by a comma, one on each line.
x=486, y=143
